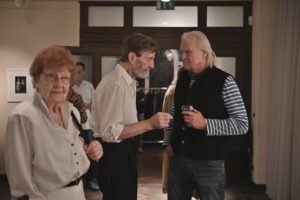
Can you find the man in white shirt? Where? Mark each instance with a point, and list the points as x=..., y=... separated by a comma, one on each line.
x=84, y=88
x=114, y=118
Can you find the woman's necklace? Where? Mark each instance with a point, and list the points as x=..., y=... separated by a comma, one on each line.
x=58, y=119
x=60, y=123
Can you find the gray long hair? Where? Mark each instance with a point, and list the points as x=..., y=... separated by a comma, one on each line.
x=203, y=44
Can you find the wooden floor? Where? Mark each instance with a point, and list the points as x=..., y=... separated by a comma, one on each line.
x=149, y=170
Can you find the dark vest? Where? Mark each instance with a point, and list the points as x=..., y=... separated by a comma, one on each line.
x=205, y=96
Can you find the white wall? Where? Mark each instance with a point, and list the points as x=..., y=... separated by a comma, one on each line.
x=264, y=25
x=23, y=32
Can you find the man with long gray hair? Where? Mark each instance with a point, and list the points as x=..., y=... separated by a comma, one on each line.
x=197, y=140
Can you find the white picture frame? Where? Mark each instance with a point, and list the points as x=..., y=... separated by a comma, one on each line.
x=19, y=85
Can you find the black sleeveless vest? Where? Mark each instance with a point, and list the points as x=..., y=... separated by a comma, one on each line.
x=205, y=96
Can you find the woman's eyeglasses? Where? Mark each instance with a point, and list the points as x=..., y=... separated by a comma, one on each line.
x=52, y=77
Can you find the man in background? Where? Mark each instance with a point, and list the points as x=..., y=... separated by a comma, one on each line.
x=84, y=88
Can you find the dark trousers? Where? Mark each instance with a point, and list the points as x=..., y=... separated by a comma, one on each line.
x=117, y=171
x=92, y=171
x=206, y=176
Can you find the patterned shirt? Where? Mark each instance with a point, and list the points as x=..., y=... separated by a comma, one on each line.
x=76, y=99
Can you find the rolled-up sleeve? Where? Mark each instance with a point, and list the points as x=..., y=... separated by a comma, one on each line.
x=107, y=113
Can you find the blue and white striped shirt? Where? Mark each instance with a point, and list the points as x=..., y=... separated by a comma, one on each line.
x=236, y=124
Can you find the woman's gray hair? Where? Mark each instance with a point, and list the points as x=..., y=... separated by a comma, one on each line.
x=203, y=44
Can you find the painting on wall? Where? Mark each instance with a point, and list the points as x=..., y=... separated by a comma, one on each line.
x=19, y=85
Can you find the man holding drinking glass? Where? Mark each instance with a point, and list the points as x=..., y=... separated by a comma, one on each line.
x=208, y=108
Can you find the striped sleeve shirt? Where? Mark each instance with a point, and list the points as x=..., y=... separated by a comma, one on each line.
x=236, y=124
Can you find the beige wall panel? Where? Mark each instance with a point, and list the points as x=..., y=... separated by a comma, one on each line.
x=23, y=32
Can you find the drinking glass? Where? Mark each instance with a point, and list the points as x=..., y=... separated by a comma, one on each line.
x=187, y=108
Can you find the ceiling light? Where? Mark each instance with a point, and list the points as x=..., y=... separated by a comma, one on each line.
x=19, y=3
x=165, y=4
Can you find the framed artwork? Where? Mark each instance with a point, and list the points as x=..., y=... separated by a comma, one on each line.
x=19, y=85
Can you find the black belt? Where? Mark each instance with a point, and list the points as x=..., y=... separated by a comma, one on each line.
x=73, y=183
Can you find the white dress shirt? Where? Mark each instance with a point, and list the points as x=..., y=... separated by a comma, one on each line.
x=114, y=105
x=86, y=90
x=42, y=157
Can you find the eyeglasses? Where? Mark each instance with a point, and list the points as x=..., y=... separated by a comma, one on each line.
x=52, y=77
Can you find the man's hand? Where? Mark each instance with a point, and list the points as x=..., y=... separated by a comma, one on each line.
x=194, y=119
x=160, y=120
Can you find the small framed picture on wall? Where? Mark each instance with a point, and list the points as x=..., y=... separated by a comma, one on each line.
x=19, y=85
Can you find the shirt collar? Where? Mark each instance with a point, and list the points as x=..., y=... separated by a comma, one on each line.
x=128, y=79
x=65, y=107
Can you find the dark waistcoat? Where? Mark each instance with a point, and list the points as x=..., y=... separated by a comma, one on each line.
x=205, y=96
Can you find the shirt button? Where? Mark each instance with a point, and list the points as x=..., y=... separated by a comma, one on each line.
x=182, y=142
x=77, y=163
x=75, y=154
x=72, y=145
x=183, y=128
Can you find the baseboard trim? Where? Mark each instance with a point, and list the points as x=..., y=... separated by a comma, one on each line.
x=259, y=186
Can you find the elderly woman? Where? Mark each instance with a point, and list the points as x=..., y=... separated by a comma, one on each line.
x=45, y=157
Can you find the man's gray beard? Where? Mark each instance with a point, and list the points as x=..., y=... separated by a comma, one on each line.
x=140, y=75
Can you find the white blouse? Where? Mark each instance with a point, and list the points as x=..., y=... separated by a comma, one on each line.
x=40, y=155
